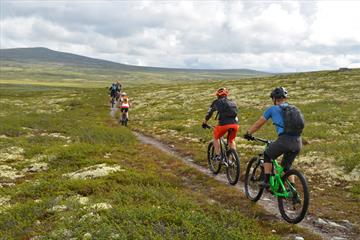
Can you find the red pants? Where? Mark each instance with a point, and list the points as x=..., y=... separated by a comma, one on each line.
x=219, y=131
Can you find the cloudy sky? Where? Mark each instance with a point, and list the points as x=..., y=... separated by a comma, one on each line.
x=277, y=36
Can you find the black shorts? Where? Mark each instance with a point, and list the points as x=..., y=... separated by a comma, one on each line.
x=124, y=109
x=113, y=94
x=288, y=146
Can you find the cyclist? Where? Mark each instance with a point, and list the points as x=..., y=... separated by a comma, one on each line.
x=124, y=104
x=227, y=115
x=287, y=144
x=114, y=90
x=118, y=84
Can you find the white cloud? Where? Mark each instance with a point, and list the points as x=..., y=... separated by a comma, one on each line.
x=270, y=36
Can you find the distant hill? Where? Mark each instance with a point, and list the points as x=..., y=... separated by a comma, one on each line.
x=41, y=55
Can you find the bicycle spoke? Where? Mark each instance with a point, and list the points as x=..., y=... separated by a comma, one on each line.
x=294, y=207
x=253, y=176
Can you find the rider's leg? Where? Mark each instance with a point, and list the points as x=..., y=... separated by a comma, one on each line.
x=267, y=168
x=273, y=151
x=294, y=145
x=217, y=146
x=287, y=161
x=219, y=131
x=232, y=135
x=232, y=145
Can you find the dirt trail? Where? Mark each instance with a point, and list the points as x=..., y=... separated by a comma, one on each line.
x=325, y=228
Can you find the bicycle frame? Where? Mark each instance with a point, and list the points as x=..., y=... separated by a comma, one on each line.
x=275, y=179
x=276, y=182
x=223, y=146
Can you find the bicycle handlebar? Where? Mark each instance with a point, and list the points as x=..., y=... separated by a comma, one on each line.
x=208, y=126
x=258, y=139
x=262, y=140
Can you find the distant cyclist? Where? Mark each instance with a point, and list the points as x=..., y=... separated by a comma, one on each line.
x=289, y=124
x=124, y=104
x=227, y=116
x=114, y=91
x=119, y=89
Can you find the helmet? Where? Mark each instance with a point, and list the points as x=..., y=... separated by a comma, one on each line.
x=222, y=92
x=279, y=92
x=123, y=94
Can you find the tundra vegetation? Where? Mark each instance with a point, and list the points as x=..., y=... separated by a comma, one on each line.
x=68, y=170
x=329, y=100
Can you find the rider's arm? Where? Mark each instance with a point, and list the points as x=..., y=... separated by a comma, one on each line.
x=257, y=125
x=262, y=120
x=210, y=112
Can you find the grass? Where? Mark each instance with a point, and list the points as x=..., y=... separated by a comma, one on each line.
x=66, y=125
x=329, y=101
x=149, y=198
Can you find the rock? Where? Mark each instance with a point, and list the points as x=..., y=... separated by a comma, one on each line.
x=336, y=225
x=87, y=236
x=62, y=234
x=92, y=216
x=4, y=200
x=98, y=170
x=9, y=172
x=273, y=231
x=101, y=206
x=83, y=200
x=320, y=221
x=6, y=185
x=115, y=236
x=338, y=238
x=58, y=208
x=36, y=238
x=36, y=167
x=298, y=238
x=348, y=224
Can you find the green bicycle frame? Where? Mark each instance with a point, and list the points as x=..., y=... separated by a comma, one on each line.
x=276, y=182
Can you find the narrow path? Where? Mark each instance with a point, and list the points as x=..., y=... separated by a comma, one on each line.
x=326, y=229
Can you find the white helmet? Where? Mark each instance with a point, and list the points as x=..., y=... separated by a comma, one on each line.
x=123, y=94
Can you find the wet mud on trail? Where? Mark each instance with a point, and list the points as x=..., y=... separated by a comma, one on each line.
x=326, y=229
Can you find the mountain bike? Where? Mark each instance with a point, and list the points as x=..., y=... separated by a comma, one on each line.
x=293, y=196
x=123, y=119
x=229, y=158
x=112, y=102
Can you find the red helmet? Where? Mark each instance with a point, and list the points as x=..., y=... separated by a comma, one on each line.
x=222, y=92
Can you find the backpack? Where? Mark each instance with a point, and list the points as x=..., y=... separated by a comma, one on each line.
x=229, y=108
x=113, y=88
x=293, y=120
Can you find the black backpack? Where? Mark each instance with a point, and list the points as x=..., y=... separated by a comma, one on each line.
x=113, y=88
x=228, y=108
x=293, y=120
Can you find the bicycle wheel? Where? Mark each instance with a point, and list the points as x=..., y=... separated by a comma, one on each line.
x=123, y=119
x=233, y=168
x=253, y=176
x=215, y=166
x=293, y=209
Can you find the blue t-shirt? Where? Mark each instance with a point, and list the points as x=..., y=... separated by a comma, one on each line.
x=276, y=114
